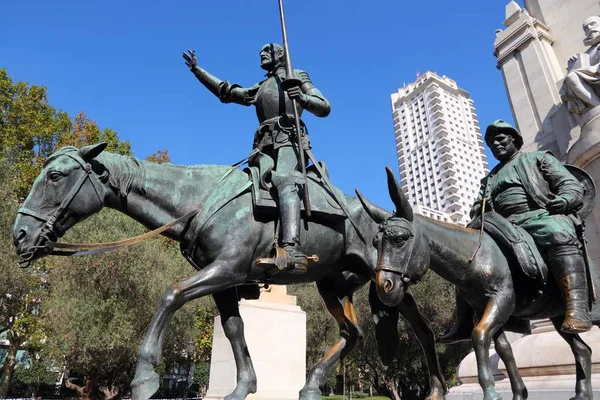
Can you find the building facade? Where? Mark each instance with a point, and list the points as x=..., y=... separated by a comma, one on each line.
x=439, y=146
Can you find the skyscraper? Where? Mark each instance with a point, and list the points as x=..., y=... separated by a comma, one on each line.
x=439, y=145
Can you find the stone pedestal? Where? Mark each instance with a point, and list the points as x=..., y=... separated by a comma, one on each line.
x=275, y=331
x=546, y=364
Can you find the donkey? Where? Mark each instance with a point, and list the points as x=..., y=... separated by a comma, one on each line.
x=410, y=244
x=226, y=236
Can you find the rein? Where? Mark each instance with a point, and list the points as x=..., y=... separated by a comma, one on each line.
x=82, y=249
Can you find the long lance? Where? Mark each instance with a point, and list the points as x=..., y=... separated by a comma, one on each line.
x=289, y=82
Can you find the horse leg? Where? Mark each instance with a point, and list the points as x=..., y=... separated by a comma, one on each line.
x=233, y=326
x=504, y=350
x=339, y=304
x=583, y=361
x=496, y=313
x=422, y=330
x=215, y=277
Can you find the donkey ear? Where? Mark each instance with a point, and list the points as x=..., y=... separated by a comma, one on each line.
x=90, y=152
x=376, y=213
x=403, y=208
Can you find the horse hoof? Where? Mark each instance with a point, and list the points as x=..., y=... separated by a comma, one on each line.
x=145, y=386
x=310, y=395
x=241, y=391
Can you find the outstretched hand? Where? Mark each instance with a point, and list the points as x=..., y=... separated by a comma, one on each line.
x=190, y=59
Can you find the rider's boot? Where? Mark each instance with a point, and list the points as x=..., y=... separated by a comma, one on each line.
x=569, y=272
x=463, y=326
x=289, y=210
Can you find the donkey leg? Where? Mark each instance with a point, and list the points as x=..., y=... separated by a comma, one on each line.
x=215, y=277
x=233, y=326
x=496, y=313
x=583, y=362
x=422, y=330
x=339, y=304
x=504, y=350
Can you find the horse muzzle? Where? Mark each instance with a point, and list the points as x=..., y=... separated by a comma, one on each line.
x=390, y=287
x=30, y=238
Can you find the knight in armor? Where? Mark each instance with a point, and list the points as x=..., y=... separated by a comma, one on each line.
x=534, y=191
x=275, y=135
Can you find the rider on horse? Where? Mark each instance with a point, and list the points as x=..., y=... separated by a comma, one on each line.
x=275, y=135
x=537, y=193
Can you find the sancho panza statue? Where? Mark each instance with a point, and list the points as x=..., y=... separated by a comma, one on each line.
x=534, y=191
x=275, y=135
x=581, y=88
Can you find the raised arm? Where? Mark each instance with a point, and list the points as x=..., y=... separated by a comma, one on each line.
x=225, y=91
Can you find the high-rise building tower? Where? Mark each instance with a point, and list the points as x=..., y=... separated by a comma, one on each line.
x=440, y=149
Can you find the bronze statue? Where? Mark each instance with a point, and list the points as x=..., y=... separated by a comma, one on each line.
x=221, y=240
x=275, y=136
x=532, y=193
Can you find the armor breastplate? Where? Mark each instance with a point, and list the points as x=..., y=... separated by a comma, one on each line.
x=272, y=101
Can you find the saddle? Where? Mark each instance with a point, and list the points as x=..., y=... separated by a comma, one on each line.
x=518, y=241
x=322, y=203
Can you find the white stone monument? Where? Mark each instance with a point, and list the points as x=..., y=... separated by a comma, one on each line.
x=275, y=331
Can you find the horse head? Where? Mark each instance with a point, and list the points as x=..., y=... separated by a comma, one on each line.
x=67, y=190
x=403, y=257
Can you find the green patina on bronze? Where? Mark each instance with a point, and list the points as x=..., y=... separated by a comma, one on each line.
x=225, y=237
x=276, y=135
x=535, y=192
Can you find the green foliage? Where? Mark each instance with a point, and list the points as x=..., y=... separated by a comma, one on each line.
x=100, y=305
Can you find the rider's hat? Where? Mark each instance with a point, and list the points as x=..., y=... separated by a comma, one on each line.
x=500, y=125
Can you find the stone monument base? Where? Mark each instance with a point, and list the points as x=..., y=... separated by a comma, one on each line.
x=545, y=361
x=275, y=331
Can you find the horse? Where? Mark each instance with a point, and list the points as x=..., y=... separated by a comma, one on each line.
x=408, y=245
x=226, y=236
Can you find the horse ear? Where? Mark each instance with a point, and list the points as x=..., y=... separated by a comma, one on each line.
x=90, y=152
x=376, y=213
x=403, y=208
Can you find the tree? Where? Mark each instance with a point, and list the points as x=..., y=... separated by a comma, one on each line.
x=21, y=291
x=160, y=157
x=100, y=305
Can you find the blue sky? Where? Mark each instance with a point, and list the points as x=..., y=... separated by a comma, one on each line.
x=120, y=62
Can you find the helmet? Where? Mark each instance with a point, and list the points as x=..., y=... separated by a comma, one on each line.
x=500, y=125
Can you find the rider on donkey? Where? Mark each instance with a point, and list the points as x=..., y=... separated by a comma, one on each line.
x=275, y=136
x=536, y=192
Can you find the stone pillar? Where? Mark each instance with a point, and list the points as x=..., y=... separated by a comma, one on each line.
x=275, y=331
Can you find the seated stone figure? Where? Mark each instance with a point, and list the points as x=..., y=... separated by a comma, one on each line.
x=581, y=88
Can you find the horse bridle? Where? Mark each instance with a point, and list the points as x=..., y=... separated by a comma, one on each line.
x=49, y=225
x=403, y=277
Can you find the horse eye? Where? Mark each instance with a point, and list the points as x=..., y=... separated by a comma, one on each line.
x=54, y=176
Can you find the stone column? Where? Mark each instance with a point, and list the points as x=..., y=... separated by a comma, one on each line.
x=275, y=330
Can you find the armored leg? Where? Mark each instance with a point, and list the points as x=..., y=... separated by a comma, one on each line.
x=287, y=180
x=568, y=267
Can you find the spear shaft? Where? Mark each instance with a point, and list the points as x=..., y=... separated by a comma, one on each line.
x=290, y=82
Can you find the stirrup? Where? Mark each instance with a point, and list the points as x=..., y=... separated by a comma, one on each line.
x=279, y=258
